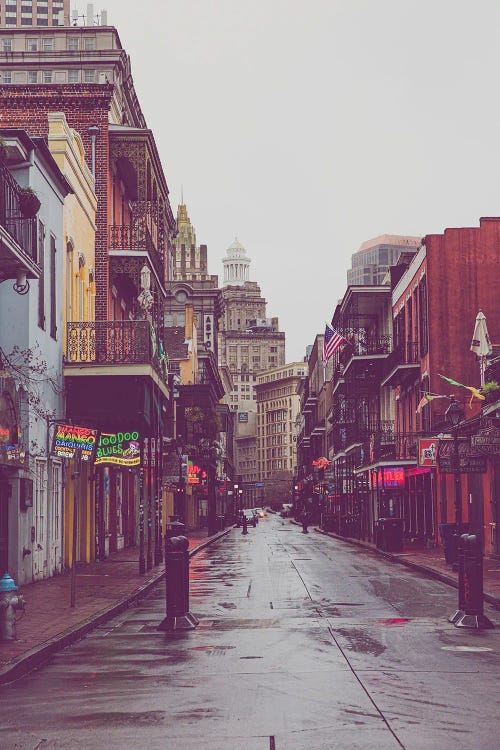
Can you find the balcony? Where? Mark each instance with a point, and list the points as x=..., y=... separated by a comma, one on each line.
x=142, y=235
x=128, y=344
x=363, y=346
x=18, y=248
x=403, y=361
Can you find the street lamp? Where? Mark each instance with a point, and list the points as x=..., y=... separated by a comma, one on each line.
x=454, y=414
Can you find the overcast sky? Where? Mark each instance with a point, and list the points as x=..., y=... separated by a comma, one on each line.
x=305, y=127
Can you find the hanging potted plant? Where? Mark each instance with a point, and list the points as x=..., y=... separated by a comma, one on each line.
x=3, y=150
x=491, y=391
x=29, y=203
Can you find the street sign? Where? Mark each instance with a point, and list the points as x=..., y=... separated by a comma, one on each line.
x=259, y=484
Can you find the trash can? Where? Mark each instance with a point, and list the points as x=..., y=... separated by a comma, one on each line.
x=379, y=533
x=450, y=534
x=389, y=534
x=393, y=534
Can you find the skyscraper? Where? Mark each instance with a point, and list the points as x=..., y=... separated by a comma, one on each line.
x=34, y=13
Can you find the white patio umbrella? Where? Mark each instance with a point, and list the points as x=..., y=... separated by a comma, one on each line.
x=481, y=344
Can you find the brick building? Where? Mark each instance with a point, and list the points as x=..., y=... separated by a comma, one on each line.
x=85, y=73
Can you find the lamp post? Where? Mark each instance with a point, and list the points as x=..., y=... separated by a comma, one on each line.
x=454, y=415
x=236, y=499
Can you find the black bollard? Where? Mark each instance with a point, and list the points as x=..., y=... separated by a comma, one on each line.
x=244, y=523
x=470, y=612
x=178, y=616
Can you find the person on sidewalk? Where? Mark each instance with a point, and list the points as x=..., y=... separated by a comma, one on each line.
x=304, y=519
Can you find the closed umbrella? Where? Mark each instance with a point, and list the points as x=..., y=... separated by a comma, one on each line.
x=481, y=344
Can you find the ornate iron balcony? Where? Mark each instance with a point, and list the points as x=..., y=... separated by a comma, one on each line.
x=116, y=342
x=20, y=228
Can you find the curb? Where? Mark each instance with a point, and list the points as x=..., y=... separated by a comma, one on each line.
x=430, y=572
x=39, y=654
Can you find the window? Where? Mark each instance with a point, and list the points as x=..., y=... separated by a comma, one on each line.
x=73, y=76
x=6, y=76
x=7, y=45
x=47, y=76
x=53, y=310
x=32, y=76
x=48, y=44
x=89, y=76
x=73, y=43
x=32, y=45
x=69, y=282
x=89, y=42
x=41, y=280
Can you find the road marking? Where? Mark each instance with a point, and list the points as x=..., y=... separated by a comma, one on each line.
x=467, y=649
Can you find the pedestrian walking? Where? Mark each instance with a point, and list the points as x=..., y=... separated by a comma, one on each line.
x=304, y=519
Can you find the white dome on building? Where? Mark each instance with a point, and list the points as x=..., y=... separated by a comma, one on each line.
x=236, y=264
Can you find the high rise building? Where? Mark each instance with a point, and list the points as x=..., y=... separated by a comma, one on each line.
x=34, y=13
x=249, y=342
x=370, y=264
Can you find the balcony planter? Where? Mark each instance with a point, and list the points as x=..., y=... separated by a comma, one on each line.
x=491, y=391
x=29, y=204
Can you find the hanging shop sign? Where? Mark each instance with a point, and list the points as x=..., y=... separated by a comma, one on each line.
x=487, y=441
x=470, y=459
x=196, y=475
x=119, y=449
x=70, y=440
x=428, y=451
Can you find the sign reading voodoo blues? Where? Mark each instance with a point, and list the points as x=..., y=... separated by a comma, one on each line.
x=119, y=448
x=70, y=440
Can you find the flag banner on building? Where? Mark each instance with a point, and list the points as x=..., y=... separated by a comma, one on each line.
x=474, y=391
x=331, y=342
x=481, y=344
x=426, y=399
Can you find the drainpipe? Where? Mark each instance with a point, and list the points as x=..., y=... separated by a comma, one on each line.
x=93, y=132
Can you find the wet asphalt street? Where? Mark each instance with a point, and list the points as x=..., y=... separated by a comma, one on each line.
x=304, y=643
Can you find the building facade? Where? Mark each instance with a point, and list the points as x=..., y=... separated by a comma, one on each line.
x=278, y=405
x=249, y=342
x=24, y=13
x=31, y=514
x=371, y=263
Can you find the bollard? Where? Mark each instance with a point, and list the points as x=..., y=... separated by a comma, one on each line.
x=470, y=612
x=175, y=528
x=178, y=616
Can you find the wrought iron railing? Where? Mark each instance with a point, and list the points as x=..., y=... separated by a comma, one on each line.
x=361, y=343
x=116, y=342
x=141, y=233
x=20, y=228
x=406, y=353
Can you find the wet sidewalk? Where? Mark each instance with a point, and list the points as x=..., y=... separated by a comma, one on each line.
x=102, y=590
x=432, y=562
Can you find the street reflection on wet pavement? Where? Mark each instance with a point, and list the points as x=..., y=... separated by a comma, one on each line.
x=304, y=643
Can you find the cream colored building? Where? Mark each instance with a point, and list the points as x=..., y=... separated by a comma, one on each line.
x=278, y=405
x=79, y=226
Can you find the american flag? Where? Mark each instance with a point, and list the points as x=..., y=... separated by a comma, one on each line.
x=331, y=342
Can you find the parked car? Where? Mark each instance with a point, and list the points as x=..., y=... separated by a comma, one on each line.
x=250, y=516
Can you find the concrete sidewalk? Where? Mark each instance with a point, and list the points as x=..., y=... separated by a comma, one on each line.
x=431, y=562
x=102, y=591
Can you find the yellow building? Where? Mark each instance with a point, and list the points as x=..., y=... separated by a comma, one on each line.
x=67, y=150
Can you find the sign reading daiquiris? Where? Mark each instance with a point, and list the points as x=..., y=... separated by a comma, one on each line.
x=119, y=448
x=69, y=440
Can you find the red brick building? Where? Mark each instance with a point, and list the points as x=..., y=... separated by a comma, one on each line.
x=434, y=305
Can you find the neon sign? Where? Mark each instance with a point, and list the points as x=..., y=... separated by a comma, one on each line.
x=389, y=478
x=321, y=463
x=70, y=440
x=119, y=448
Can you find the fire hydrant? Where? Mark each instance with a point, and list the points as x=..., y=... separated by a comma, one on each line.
x=9, y=603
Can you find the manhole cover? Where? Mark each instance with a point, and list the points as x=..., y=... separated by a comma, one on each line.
x=467, y=649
